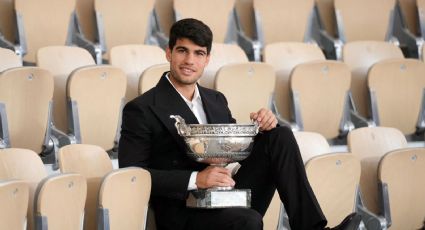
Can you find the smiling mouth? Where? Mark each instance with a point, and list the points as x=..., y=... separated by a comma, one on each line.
x=187, y=70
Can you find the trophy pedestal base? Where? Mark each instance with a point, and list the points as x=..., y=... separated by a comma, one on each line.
x=214, y=198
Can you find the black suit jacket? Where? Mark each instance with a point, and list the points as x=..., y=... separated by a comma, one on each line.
x=149, y=139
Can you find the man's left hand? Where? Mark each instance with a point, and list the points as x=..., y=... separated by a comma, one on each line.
x=265, y=118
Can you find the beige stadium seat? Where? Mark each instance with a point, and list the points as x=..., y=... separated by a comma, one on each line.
x=59, y=202
x=239, y=82
x=131, y=24
x=93, y=163
x=14, y=195
x=25, y=103
x=96, y=95
x=360, y=56
x=402, y=175
x=43, y=23
x=150, y=77
x=26, y=165
x=311, y=144
x=134, y=59
x=284, y=56
x=326, y=13
x=123, y=199
x=8, y=59
x=274, y=20
x=369, y=144
x=220, y=22
x=84, y=10
x=61, y=61
x=320, y=96
x=8, y=27
x=334, y=179
x=351, y=27
x=165, y=15
x=221, y=54
x=245, y=17
x=397, y=90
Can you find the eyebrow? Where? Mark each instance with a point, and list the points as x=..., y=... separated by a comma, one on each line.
x=197, y=50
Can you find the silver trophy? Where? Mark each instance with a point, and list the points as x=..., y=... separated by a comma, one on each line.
x=217, y=144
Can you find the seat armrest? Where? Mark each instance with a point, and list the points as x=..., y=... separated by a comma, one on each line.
x=94, y=49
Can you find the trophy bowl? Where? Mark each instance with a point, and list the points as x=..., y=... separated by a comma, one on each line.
x=217, y=144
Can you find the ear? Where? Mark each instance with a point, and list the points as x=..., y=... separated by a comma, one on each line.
x=168, y=54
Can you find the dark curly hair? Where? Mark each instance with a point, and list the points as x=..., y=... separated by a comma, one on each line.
x=192, y=29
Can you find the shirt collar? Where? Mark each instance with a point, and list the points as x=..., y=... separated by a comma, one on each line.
x=196, y=95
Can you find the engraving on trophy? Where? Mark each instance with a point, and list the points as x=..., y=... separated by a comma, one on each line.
x=217, y=144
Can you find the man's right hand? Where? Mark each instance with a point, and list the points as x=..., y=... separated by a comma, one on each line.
x=214, y=176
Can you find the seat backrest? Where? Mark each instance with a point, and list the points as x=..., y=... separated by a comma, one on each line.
x=397, y=89
x=221, y=54
x=14, y=195
x=351, y=27
x=409, y=13
x=84, y=9
x=360, y=56
x=128, y=25
x=403, y=172
x=26, y=93
x=286, y=12
x=311, y=144
x=134, y=59
x=284, y=56
x=93, y=163
x=218, y=21
x=150, y=77
x=61, y=61
x=7, y=20
x=123, y=190
x=45, y=23
x=59, y=202
x=320, y=90
x=97, y=94
x=326, y=11
x=369, y=144
x=8, y=59
x=238, y=82
x=334, y=179
x=26, y=165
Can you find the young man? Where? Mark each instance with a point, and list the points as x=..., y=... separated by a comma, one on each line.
x=150, y=140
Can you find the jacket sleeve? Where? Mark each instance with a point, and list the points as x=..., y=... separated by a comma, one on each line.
x=135, y=149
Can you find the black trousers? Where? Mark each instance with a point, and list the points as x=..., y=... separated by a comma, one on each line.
x=274, y=163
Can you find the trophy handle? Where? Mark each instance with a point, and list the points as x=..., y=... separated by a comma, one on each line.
x=180, y=124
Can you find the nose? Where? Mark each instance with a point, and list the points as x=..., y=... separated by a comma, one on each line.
x=189, y=58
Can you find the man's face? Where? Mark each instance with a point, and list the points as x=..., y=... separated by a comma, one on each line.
x=187, y=62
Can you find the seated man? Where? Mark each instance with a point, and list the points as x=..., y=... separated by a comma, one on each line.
x=149, y=139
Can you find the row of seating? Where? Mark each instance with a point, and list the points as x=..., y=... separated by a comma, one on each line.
x=252, y=24
x=87, y=191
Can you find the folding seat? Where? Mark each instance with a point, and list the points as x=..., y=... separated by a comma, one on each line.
x=61, y=61
x=221, y=21
x=164, y=13
x=8, y=59
x=150, y=77
x=407, y=27
x=86, y=18
x=244, y=12
x=96, y=97
x=351, y=27
x=8, y=29
x=320, y=92
x=132, y=186
x=59, y=202
x=326, y=16
x=134, y=59
x=284, y=56
x=239, y=82
x=43, y=23
x=95, y=165
x=397, y=95
x=334, y=179
x=14, y=195
x=221, y=54
x=401, y=174
x=369, y=144
x=360, y=56
x=311, y=144
x=124, y=22
x=25, y=107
